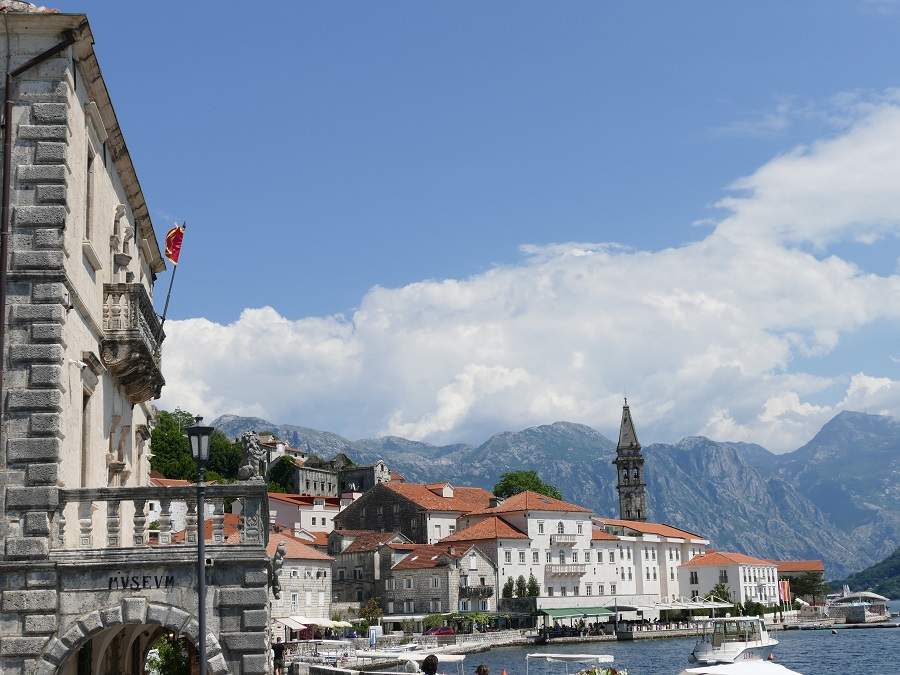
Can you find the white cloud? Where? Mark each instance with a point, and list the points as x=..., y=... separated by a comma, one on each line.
x=704, y=337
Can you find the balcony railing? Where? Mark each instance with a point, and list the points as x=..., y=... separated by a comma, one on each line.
x=132, y=339
x=123, y=512
x=565, y=569
x=563, y=538
x=476, y=592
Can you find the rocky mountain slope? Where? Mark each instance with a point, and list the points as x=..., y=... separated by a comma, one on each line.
x=836, y=498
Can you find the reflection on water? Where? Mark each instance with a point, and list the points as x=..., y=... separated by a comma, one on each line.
x=874, y=652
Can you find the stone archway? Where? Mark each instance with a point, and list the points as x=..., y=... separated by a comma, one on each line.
x=133, y=611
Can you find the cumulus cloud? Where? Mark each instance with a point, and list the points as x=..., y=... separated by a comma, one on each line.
x=704, y=337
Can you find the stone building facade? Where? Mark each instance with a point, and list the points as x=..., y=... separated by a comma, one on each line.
x=629, y=463
x=81, y=590
x=305, y=580
x=362, y=562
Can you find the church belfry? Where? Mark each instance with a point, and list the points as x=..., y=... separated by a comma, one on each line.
x=630, y=471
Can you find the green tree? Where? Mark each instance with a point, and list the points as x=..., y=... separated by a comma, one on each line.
x=521, y=587
x=508, y=588
x=173, y=657
x=281, y=475
x=534, y=590
x=513, y=482
x=171, y=451
x=433, y=621
x=371, y=611
x=809, y=584
x=225, y=456
x=719, y=592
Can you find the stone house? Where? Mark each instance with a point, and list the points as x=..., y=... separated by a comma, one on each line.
x=306, y=584
x=82, y=591
x=362, y=561
x=337, y=476
x=437, y=579
x=422, y=513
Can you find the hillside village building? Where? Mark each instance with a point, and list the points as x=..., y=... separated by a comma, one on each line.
x=306, y=582
x=82, y=591
x=337, y=476
x=362, y=562
x=746, y=577
x=424, y=514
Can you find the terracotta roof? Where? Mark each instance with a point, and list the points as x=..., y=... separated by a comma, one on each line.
x=369, y=541
x=532, y=501
x=464, y=499
x=396, y=475
x=230, y=524
x=169, y=482
x=599, y=534
x=296, y=549
x=800, y=565
x=716, y=558
x=489, y=528
x=660, y=529
x=351, y=533
x=428, y=556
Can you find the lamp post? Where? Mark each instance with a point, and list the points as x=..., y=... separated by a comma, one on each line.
x=199, y=437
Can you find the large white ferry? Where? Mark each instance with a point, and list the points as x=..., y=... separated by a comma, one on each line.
x=733, y=639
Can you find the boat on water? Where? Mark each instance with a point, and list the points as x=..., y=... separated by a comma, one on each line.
x=574, y=664
x=733, y=639
x=742, y=668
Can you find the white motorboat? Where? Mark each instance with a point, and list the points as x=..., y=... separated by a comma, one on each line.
x=733, y=639
x=742, y=668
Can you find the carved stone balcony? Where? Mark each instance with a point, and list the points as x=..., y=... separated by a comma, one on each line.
x=570, y=569
x=130, y=348
x=476, y=592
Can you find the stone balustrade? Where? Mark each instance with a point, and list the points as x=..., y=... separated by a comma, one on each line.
x=117, y=517
x=557, y=539
x=565, y=569
x=476, y=592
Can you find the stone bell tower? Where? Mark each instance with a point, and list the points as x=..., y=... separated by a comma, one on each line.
x=630, y=471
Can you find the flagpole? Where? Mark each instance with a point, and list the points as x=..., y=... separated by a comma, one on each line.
x=162, y=321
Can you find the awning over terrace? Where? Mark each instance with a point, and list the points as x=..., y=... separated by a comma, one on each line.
x=575, y=612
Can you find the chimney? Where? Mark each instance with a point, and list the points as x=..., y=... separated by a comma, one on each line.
x=452, y=550
x=495, y=501
x=297, y=529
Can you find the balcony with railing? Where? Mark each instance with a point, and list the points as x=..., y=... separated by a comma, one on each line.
x=132, y=337
x=476, y=592
x=556, y=539
x=565, y=569
x=112, y=522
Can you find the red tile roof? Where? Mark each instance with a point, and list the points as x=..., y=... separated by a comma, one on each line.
x=397, y=476
x=296, y=549
x=489, y=528
x=169, y=482
x=370, y=541
x=660, y=529
x=717, y=558
x=464, y=499
x=532, y=501
x=800, y=566
x=599, y=534
x=427, y=556
x=304, y=500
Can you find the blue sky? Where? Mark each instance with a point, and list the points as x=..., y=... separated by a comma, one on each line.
x=318, y=150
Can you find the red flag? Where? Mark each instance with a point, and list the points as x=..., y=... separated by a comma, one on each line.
x=174, y=238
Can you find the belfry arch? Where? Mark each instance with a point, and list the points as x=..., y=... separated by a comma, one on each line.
x=116, y=639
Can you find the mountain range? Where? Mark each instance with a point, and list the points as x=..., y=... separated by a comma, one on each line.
x=836, y=498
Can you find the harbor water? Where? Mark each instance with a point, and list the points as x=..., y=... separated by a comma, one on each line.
x=873, y=651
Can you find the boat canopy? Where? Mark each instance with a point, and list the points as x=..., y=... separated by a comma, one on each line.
x=588, y=658
x=575, y=612
x=859, y=596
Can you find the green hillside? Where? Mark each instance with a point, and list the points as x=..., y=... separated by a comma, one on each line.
x=883, y=577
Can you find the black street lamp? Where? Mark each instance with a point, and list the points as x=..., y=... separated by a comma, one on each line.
x=199, y=437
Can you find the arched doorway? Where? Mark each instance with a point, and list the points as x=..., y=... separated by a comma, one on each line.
x=115, y=640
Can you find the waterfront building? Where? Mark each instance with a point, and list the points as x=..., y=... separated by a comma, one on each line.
x=424, y=513
x=436, y=579
x=746, y=577
x=362, y=560
x=306, y=584
x=82, y=589
x=629, y=463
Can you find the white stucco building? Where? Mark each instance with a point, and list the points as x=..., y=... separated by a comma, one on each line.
x=746, y=577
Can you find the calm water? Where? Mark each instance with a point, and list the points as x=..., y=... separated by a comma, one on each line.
x=873, y=651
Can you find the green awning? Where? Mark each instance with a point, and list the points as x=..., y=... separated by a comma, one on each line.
x=575, y=612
